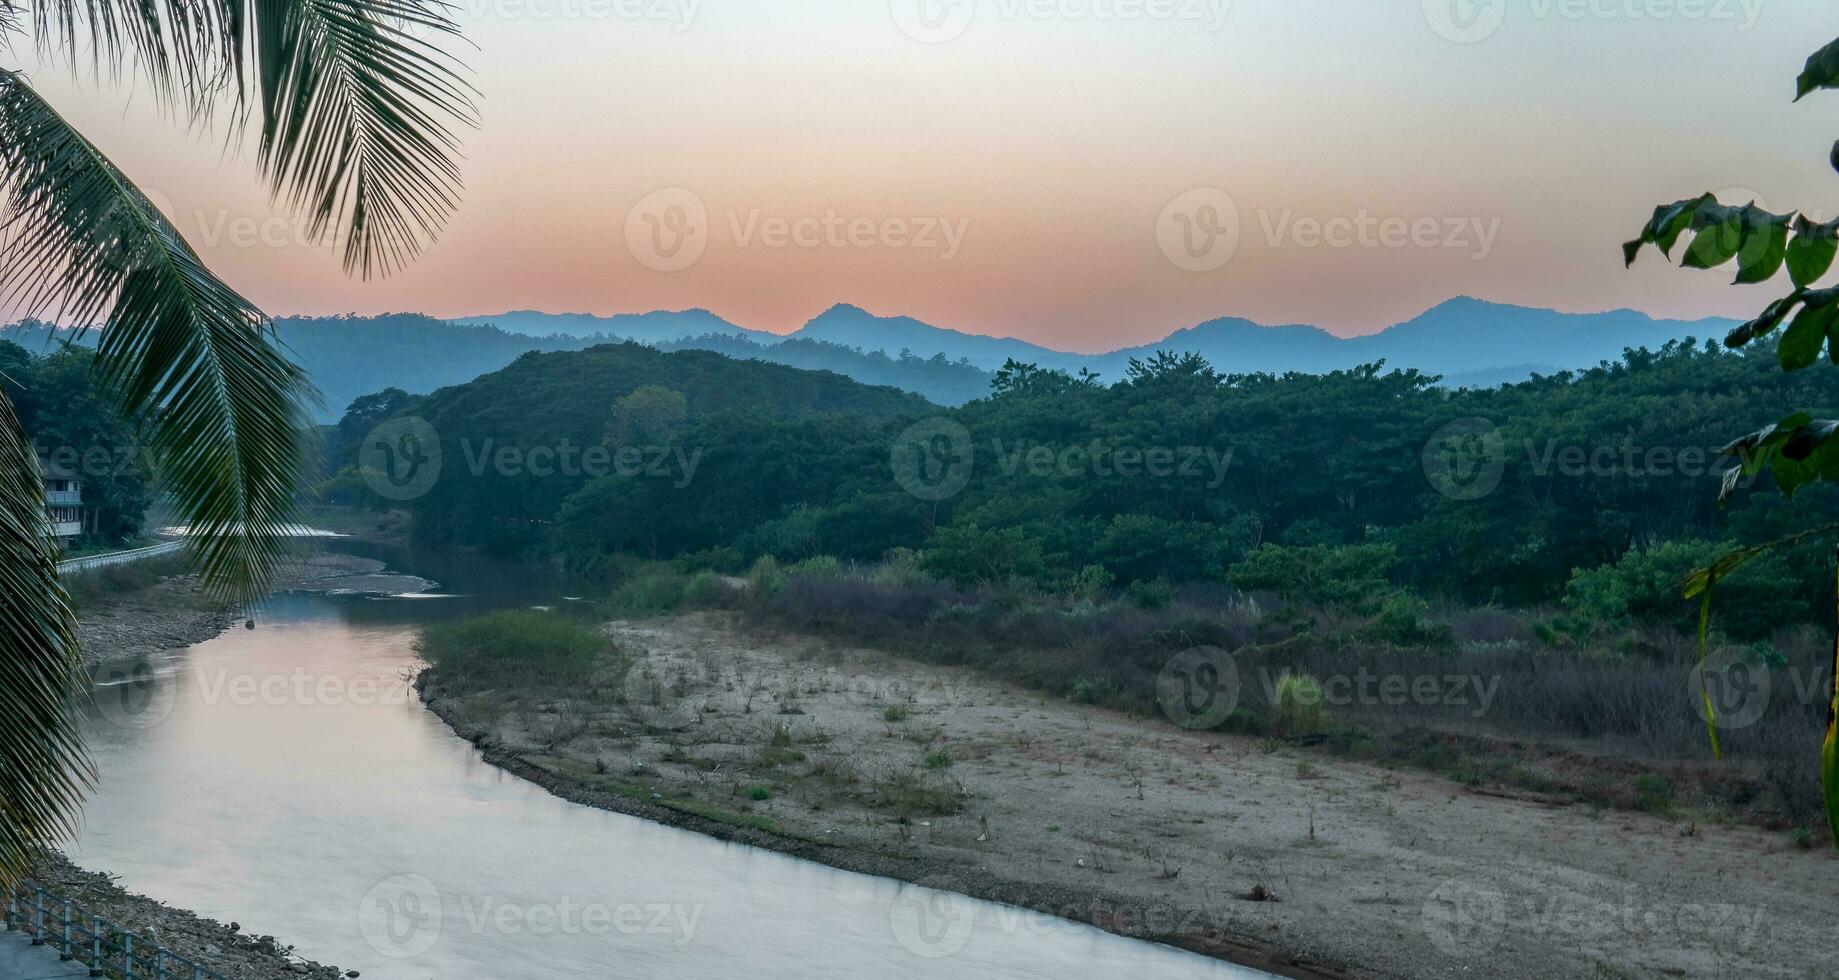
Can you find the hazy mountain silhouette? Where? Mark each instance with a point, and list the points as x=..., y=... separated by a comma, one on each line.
x=661, y=326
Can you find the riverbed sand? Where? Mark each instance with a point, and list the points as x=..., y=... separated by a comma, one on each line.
x=1292, y=860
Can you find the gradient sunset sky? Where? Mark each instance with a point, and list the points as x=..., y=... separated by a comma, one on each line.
x=1535, y=135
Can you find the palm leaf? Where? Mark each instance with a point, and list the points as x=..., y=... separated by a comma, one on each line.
x=1829, y=750
x=43, y=770
x=185, y=355
x=358, y=99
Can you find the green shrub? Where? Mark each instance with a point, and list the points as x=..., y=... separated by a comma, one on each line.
x=1152, y=595
x=937, y=759
x=655, y=590
x=1299, y=704
x=901, y=569
x=707, y=590
x=521, y=647
x=1653, y=793
x=1092, y=583
x=1644, y=586
x=1403, y=621
x=766, y=578
x=823, y=568
x=1350, y=578
x=759, y=794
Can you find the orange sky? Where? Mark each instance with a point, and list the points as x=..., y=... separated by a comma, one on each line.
x=1375, y=165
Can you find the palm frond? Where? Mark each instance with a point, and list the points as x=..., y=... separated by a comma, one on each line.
x=43, y=769
x=359, y=100
x=185, y=354
x=356, y=108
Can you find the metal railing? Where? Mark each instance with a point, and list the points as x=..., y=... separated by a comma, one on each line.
x=81, y=935
x=72, y=498
x=118, y=557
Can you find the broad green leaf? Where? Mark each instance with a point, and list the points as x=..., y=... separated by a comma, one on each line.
x=1801, y=345
x=1717, y=235
x=1811, y=252
x=1765, y=245
x=1765, y=324
x=1822, y=71
x=1663, y=230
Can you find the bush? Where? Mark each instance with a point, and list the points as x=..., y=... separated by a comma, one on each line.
x=1653, y=793
x=766, y=579
x=1152, y=595
x=1644, y=586
x=900, y=569
x=1402, y=621
x=822, y=568
x=1299, y=704
x=1348, y=578
x=706, y=590
x=655, y=590
x=520, y=647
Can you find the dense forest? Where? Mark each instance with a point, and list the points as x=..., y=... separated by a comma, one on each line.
x=1597, y=488
x=72, y=426
x=514, y=443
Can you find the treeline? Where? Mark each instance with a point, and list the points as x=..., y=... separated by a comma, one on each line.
x=74, y=427
x=936, y=378
x=1597, y=488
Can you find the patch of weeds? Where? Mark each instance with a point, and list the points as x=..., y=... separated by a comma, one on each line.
x=894, y=714
x=1653, y=793
x=908, y=796
x=937, y=759
x=759, y=794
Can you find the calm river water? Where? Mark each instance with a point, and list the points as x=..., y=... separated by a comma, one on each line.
x=287, y=778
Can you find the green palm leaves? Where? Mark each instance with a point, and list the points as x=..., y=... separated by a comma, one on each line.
x=357, y=104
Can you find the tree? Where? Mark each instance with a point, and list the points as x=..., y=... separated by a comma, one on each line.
x=1799, y=449
x=355, y=102
x=649, y=416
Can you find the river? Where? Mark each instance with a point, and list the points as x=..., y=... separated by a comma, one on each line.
x=287, y=778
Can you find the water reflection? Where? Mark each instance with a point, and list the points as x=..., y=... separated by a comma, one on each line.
x=287, y=778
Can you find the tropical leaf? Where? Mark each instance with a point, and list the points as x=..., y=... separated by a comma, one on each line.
x=1801, y=345
x=184, y=353
x=1811, y=253
x=1764, y=245
x=43, y=770
x=1822, y=71
x=358, y=100
x=356, y=114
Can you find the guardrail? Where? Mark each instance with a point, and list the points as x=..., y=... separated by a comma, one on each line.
x=117, y=557
x=81, y=935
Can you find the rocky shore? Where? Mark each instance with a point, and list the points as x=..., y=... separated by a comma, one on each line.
x=224, y=949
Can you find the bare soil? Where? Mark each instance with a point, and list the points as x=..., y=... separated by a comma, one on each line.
x=1253, y=851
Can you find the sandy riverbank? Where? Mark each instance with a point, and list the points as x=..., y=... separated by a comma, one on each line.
x=1265, y=855
x=176, y=612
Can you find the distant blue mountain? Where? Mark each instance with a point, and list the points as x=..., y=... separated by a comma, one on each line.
x=658, y=327
x=1468, y=340
x=852, y=326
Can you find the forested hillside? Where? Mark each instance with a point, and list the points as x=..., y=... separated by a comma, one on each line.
x=1599, y=486
x=517, y=442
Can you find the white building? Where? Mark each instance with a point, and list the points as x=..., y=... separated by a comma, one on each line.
x=63, y=500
